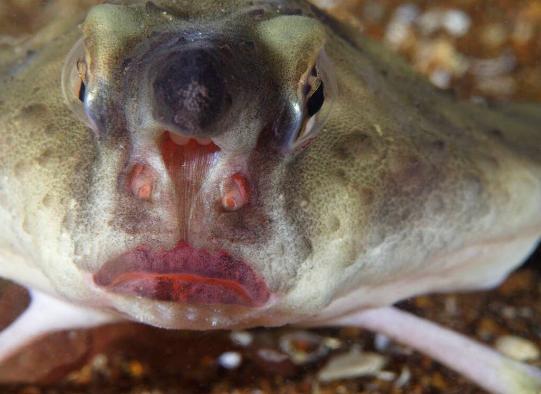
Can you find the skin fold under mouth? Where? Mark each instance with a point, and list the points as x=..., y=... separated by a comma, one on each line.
x=185, y=275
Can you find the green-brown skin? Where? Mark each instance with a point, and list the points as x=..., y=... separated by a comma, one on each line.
x=403, y=191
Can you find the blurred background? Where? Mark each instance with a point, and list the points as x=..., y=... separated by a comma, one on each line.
x=478, y=49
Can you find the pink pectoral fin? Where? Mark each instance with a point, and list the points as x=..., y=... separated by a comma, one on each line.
x=44, y=315
x=484, y=366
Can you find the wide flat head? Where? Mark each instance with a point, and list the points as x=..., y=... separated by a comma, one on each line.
x=239, y=163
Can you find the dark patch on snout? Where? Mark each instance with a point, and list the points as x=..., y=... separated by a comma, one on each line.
x=190, y=90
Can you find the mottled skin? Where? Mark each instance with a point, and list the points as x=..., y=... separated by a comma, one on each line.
x=403, y=191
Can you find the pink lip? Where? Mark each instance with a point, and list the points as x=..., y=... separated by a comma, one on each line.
x=184, y=274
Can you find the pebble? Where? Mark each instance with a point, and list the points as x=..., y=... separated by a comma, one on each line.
x=456, y=22
x=352, y=365
x=272, y=356
x=509, y=312
x=404, y=378
x=517, y=348
x=332, y=343
x=441, y=78
x=399, y=28
x=303, y=347
x=381, y=342
x=230, y=360
x=135, y=369
x=100, y=363
x=386, y=376
x=241, y=338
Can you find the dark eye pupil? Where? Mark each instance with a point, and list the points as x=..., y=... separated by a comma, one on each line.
x=82, y=92
x=315, y=101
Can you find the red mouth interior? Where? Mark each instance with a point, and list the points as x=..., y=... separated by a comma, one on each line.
x=188, y=166
x=184, y=274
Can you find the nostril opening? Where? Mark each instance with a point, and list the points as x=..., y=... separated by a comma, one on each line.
x=235, y=192
x=140, y=182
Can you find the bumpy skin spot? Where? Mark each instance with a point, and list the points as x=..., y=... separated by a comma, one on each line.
x=375, y=208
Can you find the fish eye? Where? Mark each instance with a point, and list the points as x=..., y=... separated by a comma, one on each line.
x=74, y=82
x=81, y=91
x=316, y=93
x=317, y=89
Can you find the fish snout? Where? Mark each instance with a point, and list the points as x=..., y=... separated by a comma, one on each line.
x=199, y=183
x=190, y=91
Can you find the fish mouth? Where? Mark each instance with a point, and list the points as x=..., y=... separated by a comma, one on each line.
x=184, y=275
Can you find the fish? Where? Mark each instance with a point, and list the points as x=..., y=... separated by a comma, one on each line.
x=234, y=164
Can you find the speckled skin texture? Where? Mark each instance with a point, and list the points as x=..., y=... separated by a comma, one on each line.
x=403, y=191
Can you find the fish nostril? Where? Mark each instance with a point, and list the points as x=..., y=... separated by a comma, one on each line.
x=235, y=192
x=140, y=182
x=189, y=90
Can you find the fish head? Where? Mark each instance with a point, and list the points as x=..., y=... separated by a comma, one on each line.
x=244, y=163
x=198, y=115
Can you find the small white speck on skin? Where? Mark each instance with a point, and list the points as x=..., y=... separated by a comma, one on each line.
x=230, y=360
x=191, y=314
x=164, y=311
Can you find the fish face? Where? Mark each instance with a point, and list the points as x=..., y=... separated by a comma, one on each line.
x=195, y=119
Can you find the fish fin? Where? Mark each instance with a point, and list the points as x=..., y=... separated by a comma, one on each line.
x=486, y=367
x=47, y=314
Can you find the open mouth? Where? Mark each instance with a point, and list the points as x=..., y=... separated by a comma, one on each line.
x=184, y=274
